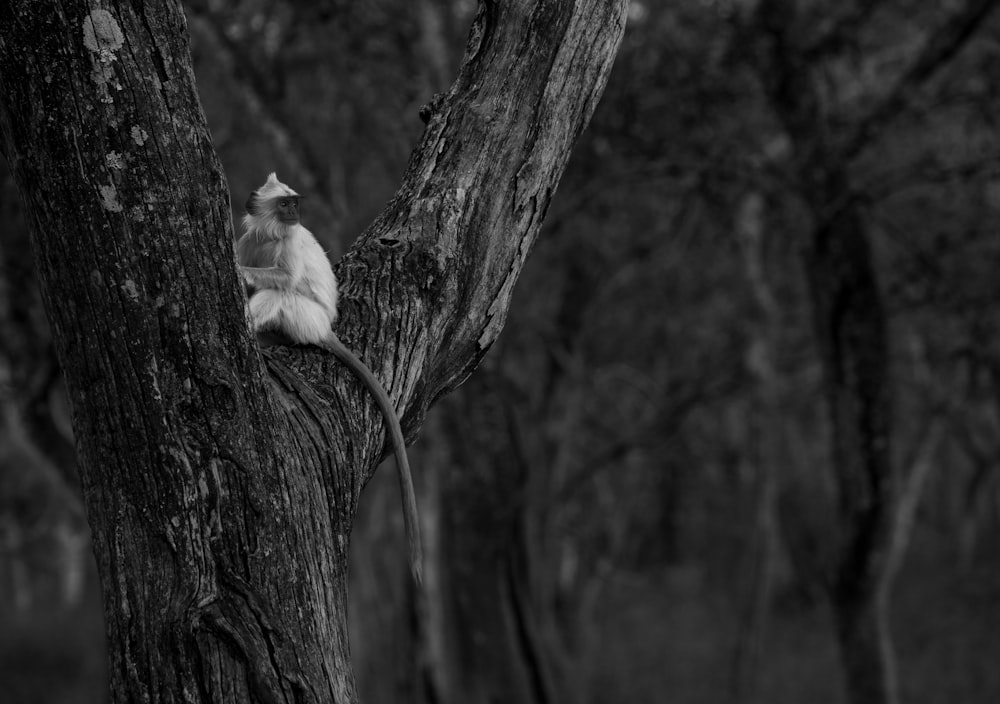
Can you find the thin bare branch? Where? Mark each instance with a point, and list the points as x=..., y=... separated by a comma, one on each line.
x=837, y=31
x=939, y=49
x=310, y=173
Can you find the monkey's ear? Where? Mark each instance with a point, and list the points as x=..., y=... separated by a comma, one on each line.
x=252, y=203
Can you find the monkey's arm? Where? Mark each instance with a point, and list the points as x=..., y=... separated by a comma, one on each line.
x=268, y=277
x=334, y=345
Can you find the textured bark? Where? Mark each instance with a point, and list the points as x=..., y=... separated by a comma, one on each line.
x=220, y=482
x=32, y=371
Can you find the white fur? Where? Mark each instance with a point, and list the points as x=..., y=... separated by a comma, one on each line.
x=273, y=188
x=265, y=226
x=302, y=319
x=264, y=222
x=302, y=304
x=296, y=293
x=306, y=307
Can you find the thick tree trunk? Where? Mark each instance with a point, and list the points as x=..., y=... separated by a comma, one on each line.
x=221, y=483
x=852, y=342
x=32, y=372
x=852, y=339
x=488, y=622
x=865, y=645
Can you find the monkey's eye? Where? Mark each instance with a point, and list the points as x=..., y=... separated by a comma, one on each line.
x=283, y=204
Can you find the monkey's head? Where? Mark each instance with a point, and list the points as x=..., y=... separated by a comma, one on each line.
x=272, y=206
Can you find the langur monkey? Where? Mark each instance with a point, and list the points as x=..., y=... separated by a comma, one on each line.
x=293, y=293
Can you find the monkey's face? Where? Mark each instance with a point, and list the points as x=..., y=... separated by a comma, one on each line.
x=287, y=210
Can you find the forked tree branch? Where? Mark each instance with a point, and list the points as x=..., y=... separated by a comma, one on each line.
x=938, y=50
x=220, y=483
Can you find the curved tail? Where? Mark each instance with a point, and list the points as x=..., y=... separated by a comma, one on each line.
x=407, y=493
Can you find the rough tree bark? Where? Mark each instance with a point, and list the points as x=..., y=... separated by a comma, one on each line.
x=221, y=482
x=25, y=349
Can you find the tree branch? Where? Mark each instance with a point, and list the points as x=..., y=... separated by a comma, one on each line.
x=837, y=31
x=938, y=49
x=201, y=457
x=311, y=176
x=476, y=190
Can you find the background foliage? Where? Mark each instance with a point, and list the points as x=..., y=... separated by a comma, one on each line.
x=647, y=445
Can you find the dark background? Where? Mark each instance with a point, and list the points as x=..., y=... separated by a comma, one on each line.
x=650, y=428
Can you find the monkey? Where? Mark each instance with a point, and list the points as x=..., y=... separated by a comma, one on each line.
x=293, y=295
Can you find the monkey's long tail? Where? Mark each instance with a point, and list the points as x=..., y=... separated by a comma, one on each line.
x=407, y=493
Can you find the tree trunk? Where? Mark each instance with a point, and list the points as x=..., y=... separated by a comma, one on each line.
x=863, y=638
x=483, y=508
x=852, y=340
x=28, y=364
x=762, y=355
x=220, y=482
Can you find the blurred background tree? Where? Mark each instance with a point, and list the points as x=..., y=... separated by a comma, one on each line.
x=752, y=372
